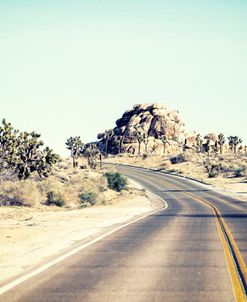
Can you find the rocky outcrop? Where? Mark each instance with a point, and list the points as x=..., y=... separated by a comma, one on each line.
x=155, y=120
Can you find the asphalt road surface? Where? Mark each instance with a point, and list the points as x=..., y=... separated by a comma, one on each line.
x=172, y=255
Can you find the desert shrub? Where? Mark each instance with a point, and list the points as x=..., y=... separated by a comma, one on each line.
x=102, y=189
x=178, y=159
x=214, y=172
x=102, y=184
x=19, y=193
x=69, y=195
x=24, y=153
x=92, y=164
x=54, y=199
x=240, y=171
x=88, y=198
x=213, y=168
x=144, y=156
x=116, y=181
x=51, y=184
x=224, y=167
x=83, y=167
x=67, y=190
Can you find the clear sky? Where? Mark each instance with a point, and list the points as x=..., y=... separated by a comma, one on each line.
x=73, y=67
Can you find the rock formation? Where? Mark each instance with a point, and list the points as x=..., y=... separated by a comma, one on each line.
x=150, y=129
x=154, y=120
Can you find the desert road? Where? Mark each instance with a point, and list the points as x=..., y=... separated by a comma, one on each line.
x=176, y=254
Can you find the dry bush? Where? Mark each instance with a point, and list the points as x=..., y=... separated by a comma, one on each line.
x=67, y=187
x=212, y=167
x=62, y=188
x=20, y=193
x=225, y=167
x=189, y=156
x=239, y=170
x=65, y=193
x=70, y=196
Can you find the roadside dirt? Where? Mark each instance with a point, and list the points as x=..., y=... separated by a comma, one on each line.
x=29, y=235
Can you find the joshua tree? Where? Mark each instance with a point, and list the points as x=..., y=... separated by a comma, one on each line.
x=9, y=142
x=145, y=141
x=207, y=146
x=22, y=153
x=199, y=141
x=119, y=142
x=107, y=135
x=165, y=142
x=91, y=152
x=75, y=145
x=154, y=148
x=185, y=145
x=216, y=147
x=221, y=141
x=233, y=142
x=139, y=136
x=31, y=158
x=45, y=162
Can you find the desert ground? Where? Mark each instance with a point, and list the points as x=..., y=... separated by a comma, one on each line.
x=29, y=235
x=36, y=232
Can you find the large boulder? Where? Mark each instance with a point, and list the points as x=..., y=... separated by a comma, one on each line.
x=145, y=122
x=211, y=136
x=156, y=112
x=153, y=119
x=134, y=120
x=190, y=139
x=158, y=126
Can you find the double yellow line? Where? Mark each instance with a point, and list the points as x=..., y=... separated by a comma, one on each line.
x=235, y=261
x=236, y=265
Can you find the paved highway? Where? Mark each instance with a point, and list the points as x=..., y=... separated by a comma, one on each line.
x=172, y=255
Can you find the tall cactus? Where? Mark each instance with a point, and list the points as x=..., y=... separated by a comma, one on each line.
x=91, y=152
x=8, y=145
x=145, y=141
x=31, y=158
x=46, y=162
x=233, y=142
x=207, y=147
x=75, y=145
x=22, y=152
x=119, y=142
x=199, y=141
x=139, y=137
x=221, y=141
x=107, y=136
x=165, y=142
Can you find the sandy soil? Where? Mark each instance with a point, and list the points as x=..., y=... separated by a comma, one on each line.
x=30, y=235
x=232, y=186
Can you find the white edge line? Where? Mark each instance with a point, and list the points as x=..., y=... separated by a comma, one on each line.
x=44, y=267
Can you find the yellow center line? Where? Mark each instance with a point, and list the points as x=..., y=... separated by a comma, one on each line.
x=224, y=233
x=235, y=278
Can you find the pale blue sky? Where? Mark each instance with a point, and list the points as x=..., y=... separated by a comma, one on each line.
x=73, y=67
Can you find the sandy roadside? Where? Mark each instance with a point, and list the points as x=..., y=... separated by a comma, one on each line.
x=29, y=236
